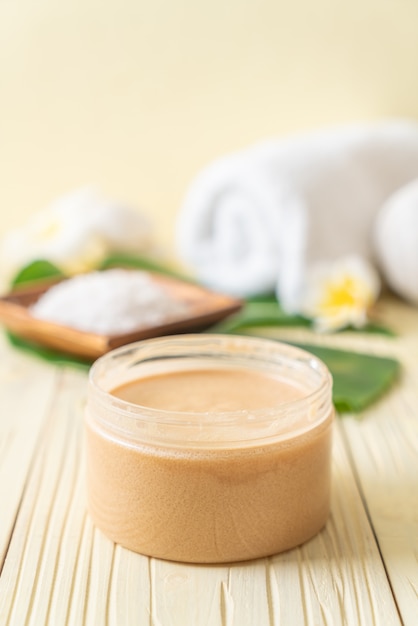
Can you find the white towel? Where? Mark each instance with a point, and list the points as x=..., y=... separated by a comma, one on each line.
x=254, y=220
x=396, y=241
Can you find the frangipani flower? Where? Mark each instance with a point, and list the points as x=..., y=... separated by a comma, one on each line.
x=340, y=293
x=76, y=233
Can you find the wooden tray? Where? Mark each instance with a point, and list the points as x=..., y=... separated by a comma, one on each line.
x=202, y=309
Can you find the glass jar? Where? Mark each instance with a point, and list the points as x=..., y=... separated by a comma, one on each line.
x=210, y=485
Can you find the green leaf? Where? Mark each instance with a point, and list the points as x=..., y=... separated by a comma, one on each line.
x=358, y=378
x=36, y=271
x=263, y=297
x=264, y=310
x=139, y=262
x=260, y=313
x=372, y=328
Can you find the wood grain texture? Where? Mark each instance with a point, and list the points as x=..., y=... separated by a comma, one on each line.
x=25, y=395
x=360, y=570
x=384, y=449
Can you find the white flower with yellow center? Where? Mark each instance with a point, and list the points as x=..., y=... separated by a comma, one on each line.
x=340, y=293
x=76, y=233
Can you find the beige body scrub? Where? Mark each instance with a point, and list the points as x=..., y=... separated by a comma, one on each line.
x=209, y=448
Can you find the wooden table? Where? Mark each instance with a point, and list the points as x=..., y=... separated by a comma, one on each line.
x=361, y=570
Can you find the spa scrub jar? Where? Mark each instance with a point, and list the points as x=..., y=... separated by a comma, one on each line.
x=209, y=448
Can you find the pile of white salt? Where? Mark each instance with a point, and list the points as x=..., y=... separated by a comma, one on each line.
x=108, y=302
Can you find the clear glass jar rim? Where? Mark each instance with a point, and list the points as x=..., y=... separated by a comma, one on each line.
x=183, y=418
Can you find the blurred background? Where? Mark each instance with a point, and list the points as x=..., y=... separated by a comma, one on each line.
x=138, y=96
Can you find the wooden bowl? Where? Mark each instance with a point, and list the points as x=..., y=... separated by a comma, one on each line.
x=201, y=309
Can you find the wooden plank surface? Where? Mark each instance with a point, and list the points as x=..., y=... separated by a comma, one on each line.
x=361, y=570
x=25, y=394
x=384, y=450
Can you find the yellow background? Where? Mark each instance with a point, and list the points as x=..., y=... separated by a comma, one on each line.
x=137, y=96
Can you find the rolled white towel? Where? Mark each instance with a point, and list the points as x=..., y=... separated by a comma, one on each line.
x=396, y=239
x=254, y=220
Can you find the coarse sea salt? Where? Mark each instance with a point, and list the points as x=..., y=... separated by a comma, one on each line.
x=112, y=301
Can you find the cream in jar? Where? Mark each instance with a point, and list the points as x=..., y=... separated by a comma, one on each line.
x=209, y=448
